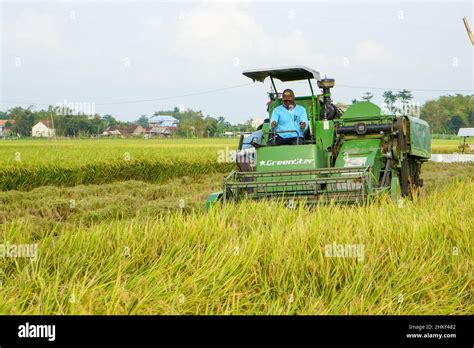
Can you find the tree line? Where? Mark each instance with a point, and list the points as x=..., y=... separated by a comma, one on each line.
x=69, y=124
x=194, y=124
x=191, y=123
x=449, y=113
x=445, y=115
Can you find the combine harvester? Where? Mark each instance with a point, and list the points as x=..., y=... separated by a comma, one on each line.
x=346, y=157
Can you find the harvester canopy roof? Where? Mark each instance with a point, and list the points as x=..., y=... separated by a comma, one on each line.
x=288, y=73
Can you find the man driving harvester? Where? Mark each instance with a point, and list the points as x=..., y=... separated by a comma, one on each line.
x=289, y=121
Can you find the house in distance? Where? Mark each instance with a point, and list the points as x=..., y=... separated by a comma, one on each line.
x=43, y=129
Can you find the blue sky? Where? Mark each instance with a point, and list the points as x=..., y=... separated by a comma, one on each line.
x=117, y=51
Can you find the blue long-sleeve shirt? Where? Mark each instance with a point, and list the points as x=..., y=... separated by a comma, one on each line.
x=289, y=120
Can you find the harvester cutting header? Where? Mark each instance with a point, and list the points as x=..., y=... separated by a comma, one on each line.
x=309, y=149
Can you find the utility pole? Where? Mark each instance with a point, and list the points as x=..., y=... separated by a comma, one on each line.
x=52, y=124
x=468, y=29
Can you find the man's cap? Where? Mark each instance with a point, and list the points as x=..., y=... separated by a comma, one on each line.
x=287, y=95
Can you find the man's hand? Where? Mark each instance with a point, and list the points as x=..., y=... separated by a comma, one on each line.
x=274, y=124
x=302, y=125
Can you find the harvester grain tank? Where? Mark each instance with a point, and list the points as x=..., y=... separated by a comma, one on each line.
x=346, y=157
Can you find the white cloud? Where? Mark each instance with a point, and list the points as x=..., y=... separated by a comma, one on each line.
x=30, y=31
x=216, y=33
x=218, y=40
x=371, y=51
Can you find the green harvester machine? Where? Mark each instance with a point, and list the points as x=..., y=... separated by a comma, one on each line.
x=346, y=157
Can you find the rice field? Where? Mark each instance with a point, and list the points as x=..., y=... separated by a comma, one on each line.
x=447, y=145
x=74, y=152
x=137, y=245
x=71, y=152
x=27, y=164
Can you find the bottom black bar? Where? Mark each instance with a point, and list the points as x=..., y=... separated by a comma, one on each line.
x=290, y=330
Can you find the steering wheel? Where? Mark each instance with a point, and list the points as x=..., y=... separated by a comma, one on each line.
x=277, y=132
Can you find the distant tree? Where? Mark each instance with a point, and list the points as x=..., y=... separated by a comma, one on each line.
x=24, y=120
x=9, y=125
x=97, y=125
x=211, y=126
x=405, y=96
x=247, y=126
x=389, y=99
x=71, y=126
x=142, y=121
x=446, y=113
x=470, y=117
x=194, y=123
x=109, y=120
x=67, y=123
x=455, y=123
x=222, y=125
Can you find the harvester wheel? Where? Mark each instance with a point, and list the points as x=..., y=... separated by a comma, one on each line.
x=404, y=178
x=402, y=145
x=416, y=182
x=229, y=195
x=410, y=178
x=412, y=189
x=416, y=172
